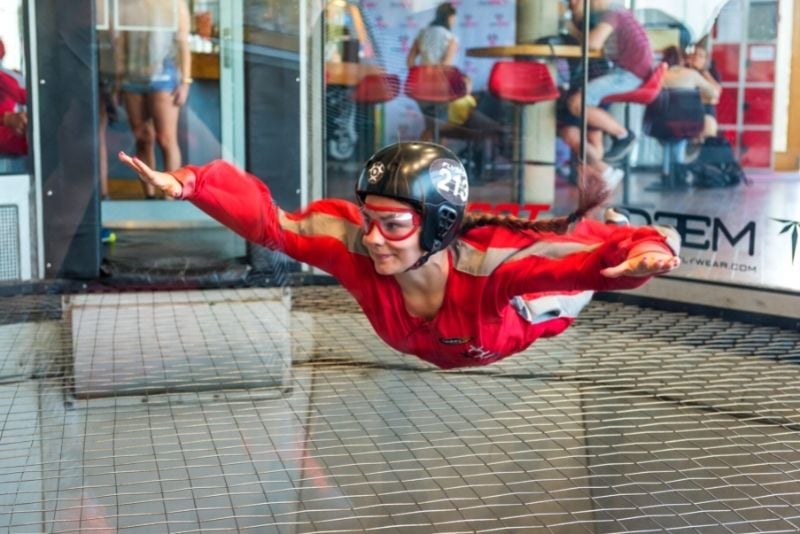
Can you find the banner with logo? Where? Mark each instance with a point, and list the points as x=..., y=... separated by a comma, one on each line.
x=759, y=250
x=394, y=24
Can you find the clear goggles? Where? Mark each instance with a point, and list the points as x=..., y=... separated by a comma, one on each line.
x=394, y=224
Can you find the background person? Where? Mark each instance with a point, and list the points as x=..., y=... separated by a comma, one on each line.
x=569, y=125
x=435, y=44
x=699, y=61
x=679, y=76
x=154, y=72
x=616, y=32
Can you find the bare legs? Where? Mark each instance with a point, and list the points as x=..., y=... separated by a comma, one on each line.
x=165, y=118
x=594, y=145
x=596, y=117
x=153, y=118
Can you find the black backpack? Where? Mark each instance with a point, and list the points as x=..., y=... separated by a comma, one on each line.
x=716, y=165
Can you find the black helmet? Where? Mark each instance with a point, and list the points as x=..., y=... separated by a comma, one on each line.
x=427, y=176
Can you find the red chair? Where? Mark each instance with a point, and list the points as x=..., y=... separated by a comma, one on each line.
x=436, y=85
x=522, y=83
x=373, y=90
x=644, y=94
x=377, y=89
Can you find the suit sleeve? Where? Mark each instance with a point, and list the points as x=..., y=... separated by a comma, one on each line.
x=573, y=262
x=325, y=235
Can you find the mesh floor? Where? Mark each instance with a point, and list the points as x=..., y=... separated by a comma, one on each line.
x=270, y=410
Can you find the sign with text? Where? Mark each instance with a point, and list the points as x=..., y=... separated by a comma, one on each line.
x=763, y=252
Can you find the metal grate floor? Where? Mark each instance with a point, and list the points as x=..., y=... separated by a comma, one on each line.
x=268, y=410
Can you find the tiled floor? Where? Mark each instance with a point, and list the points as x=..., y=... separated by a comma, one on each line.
x=270, y=410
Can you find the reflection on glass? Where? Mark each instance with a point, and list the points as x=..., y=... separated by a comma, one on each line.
x=763, y=21
x=13, y=92
x=350, y=59
x=273, y=15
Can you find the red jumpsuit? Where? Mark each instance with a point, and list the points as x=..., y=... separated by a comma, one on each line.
x=12, y=93
x=505, y=288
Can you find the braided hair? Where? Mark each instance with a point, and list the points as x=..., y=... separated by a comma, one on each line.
x=592, y=192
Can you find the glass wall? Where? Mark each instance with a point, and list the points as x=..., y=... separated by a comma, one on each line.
x=690, y=115
x=166, y=375
x=687, y=113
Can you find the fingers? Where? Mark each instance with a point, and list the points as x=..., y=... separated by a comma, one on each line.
x=145, y=172
x=161, y=180
x=129, y=161
x=126, y=159
x=645, y=265
x=180, y=95
x=616, y=271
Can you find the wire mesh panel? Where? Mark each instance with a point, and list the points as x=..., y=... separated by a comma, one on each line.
x=9, y=243
x=183, y=340
x=635, y=420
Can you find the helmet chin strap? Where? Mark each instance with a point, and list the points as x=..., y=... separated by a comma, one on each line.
x=437, y=246
x=420, y=262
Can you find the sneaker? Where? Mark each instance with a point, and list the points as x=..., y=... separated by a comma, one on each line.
x=107, y=236
x=617, y=217
x=620, y=148
x=612, y=177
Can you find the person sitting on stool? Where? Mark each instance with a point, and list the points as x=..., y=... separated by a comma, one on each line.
x=624, y=42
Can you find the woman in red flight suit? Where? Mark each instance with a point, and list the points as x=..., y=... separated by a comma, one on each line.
x=453, y=289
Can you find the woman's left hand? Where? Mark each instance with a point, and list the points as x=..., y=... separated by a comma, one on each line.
x=642, y=264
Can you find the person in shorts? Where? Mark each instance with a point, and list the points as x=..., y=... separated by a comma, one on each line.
x=616, y=32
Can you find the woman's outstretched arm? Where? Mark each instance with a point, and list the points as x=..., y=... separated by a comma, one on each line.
x=594, y=257
x=325, y=235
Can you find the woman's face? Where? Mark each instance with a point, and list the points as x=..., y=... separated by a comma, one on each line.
x=391, y=234
x=451, y=21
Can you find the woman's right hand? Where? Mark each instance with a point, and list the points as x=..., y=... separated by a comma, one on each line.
x=160, y=180
x=17, y=121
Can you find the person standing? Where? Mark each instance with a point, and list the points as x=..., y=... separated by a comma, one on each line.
x=436, y=44
x=154, y=72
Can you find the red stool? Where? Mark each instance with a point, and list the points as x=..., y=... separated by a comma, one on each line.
x=644, y=94
x=373, y=90
x=436, y=85
x=522, y=83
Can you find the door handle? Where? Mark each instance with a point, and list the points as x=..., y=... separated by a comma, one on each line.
x=225, y=50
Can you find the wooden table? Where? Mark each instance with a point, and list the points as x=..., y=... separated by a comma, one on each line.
x=348, y=74
x=532, y=50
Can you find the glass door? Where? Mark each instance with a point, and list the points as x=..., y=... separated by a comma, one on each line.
x=172, y=93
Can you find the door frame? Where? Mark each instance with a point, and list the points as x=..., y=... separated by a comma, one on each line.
x=790, y=159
